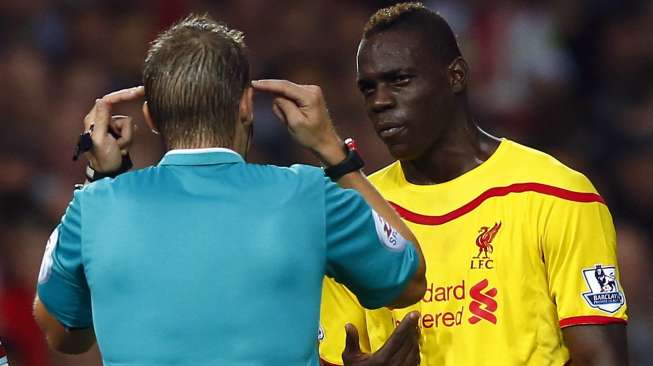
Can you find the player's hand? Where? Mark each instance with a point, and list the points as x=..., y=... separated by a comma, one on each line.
x=401, y=349
x=107, y=151
x=302, y=109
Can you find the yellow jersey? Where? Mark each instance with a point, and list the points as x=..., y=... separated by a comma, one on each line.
x=516, y=249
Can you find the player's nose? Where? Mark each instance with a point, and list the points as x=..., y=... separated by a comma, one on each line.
x=383, y=99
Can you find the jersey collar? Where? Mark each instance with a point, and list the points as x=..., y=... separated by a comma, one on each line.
x=206, y=156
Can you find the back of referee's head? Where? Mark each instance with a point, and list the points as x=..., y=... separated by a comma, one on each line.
x=195, y=75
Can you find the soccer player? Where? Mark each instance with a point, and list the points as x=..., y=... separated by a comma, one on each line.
x=521, y=252
x=205, y=259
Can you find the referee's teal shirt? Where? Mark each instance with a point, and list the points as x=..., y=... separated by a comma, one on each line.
x=208, y=260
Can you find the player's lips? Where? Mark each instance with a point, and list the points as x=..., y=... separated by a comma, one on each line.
x=386, y=131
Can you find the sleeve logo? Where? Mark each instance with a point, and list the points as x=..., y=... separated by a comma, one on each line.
x=46, y=263
x=320, y=334
x=604, y=293
x=388, y=235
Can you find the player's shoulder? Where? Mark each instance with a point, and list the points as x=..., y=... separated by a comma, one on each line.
x=386, y=175
x=540, y=167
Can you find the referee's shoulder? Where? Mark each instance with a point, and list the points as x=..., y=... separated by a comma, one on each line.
x=105, y=185
x=296, y=173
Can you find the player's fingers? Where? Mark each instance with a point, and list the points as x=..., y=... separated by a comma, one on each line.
x=124, y=95
x=407, y=328
x=408, y=352
x=295, y=92
x=352, y=345
x=412, y=357
x=291, y=113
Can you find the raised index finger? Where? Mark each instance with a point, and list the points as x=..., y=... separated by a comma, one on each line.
x=124, y=95
x=285, y=88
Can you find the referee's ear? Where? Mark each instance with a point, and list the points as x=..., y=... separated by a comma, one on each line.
x=246, y=109
x=148, y=118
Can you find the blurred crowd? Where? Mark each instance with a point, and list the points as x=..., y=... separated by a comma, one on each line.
x=571, y=77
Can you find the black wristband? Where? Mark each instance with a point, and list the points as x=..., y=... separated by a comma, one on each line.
x=352, y=162
x=92, y=175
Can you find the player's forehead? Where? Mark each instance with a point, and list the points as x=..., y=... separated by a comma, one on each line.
x=391, y=50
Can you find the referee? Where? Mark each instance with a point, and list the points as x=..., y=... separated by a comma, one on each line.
x=205, y=259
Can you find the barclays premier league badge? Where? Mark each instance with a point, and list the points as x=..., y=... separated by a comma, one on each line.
x=604, y=291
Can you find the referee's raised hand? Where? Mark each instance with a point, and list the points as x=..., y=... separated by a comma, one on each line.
x=303, y=110
x=111, y=135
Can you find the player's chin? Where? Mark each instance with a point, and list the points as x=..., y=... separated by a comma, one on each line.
x=401, y=151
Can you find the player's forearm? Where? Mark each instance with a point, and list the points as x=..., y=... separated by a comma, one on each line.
x=58, y=338
x=597, y=345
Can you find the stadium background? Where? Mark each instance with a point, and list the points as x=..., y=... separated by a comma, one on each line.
x=571, y=77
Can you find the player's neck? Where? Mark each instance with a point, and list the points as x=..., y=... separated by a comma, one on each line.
x=461, y=149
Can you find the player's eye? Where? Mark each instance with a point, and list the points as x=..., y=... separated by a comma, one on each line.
x=366, y=88
x=400, y=80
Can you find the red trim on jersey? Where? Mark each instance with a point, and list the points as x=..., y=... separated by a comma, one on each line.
x=327, y=363
x=497, y=192
x=590, y=320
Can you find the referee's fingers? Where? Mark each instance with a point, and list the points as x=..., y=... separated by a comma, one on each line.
x=124, y=95
x=290, y=113
x=101, y=121
x=123, y=126
x=295, y=92
x=89, y=119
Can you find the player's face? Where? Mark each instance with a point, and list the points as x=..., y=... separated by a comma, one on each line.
x=407, y=94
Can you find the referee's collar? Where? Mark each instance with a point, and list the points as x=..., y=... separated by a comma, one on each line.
x=206, y=156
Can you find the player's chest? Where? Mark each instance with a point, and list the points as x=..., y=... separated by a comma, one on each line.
x=477, y=260
x=485, y=241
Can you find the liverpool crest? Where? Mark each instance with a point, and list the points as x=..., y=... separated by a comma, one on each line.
x=484, y=240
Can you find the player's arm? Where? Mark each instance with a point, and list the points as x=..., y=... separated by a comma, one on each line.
x=71, y=341
x=303, y=109
x=579, y=252
x=597, y=345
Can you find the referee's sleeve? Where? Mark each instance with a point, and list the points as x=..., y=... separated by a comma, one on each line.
x=62, y=286
x=361, y=255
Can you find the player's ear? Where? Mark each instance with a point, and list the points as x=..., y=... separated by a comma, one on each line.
x=148, y=119
x=246, y=109
x=458, y=73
